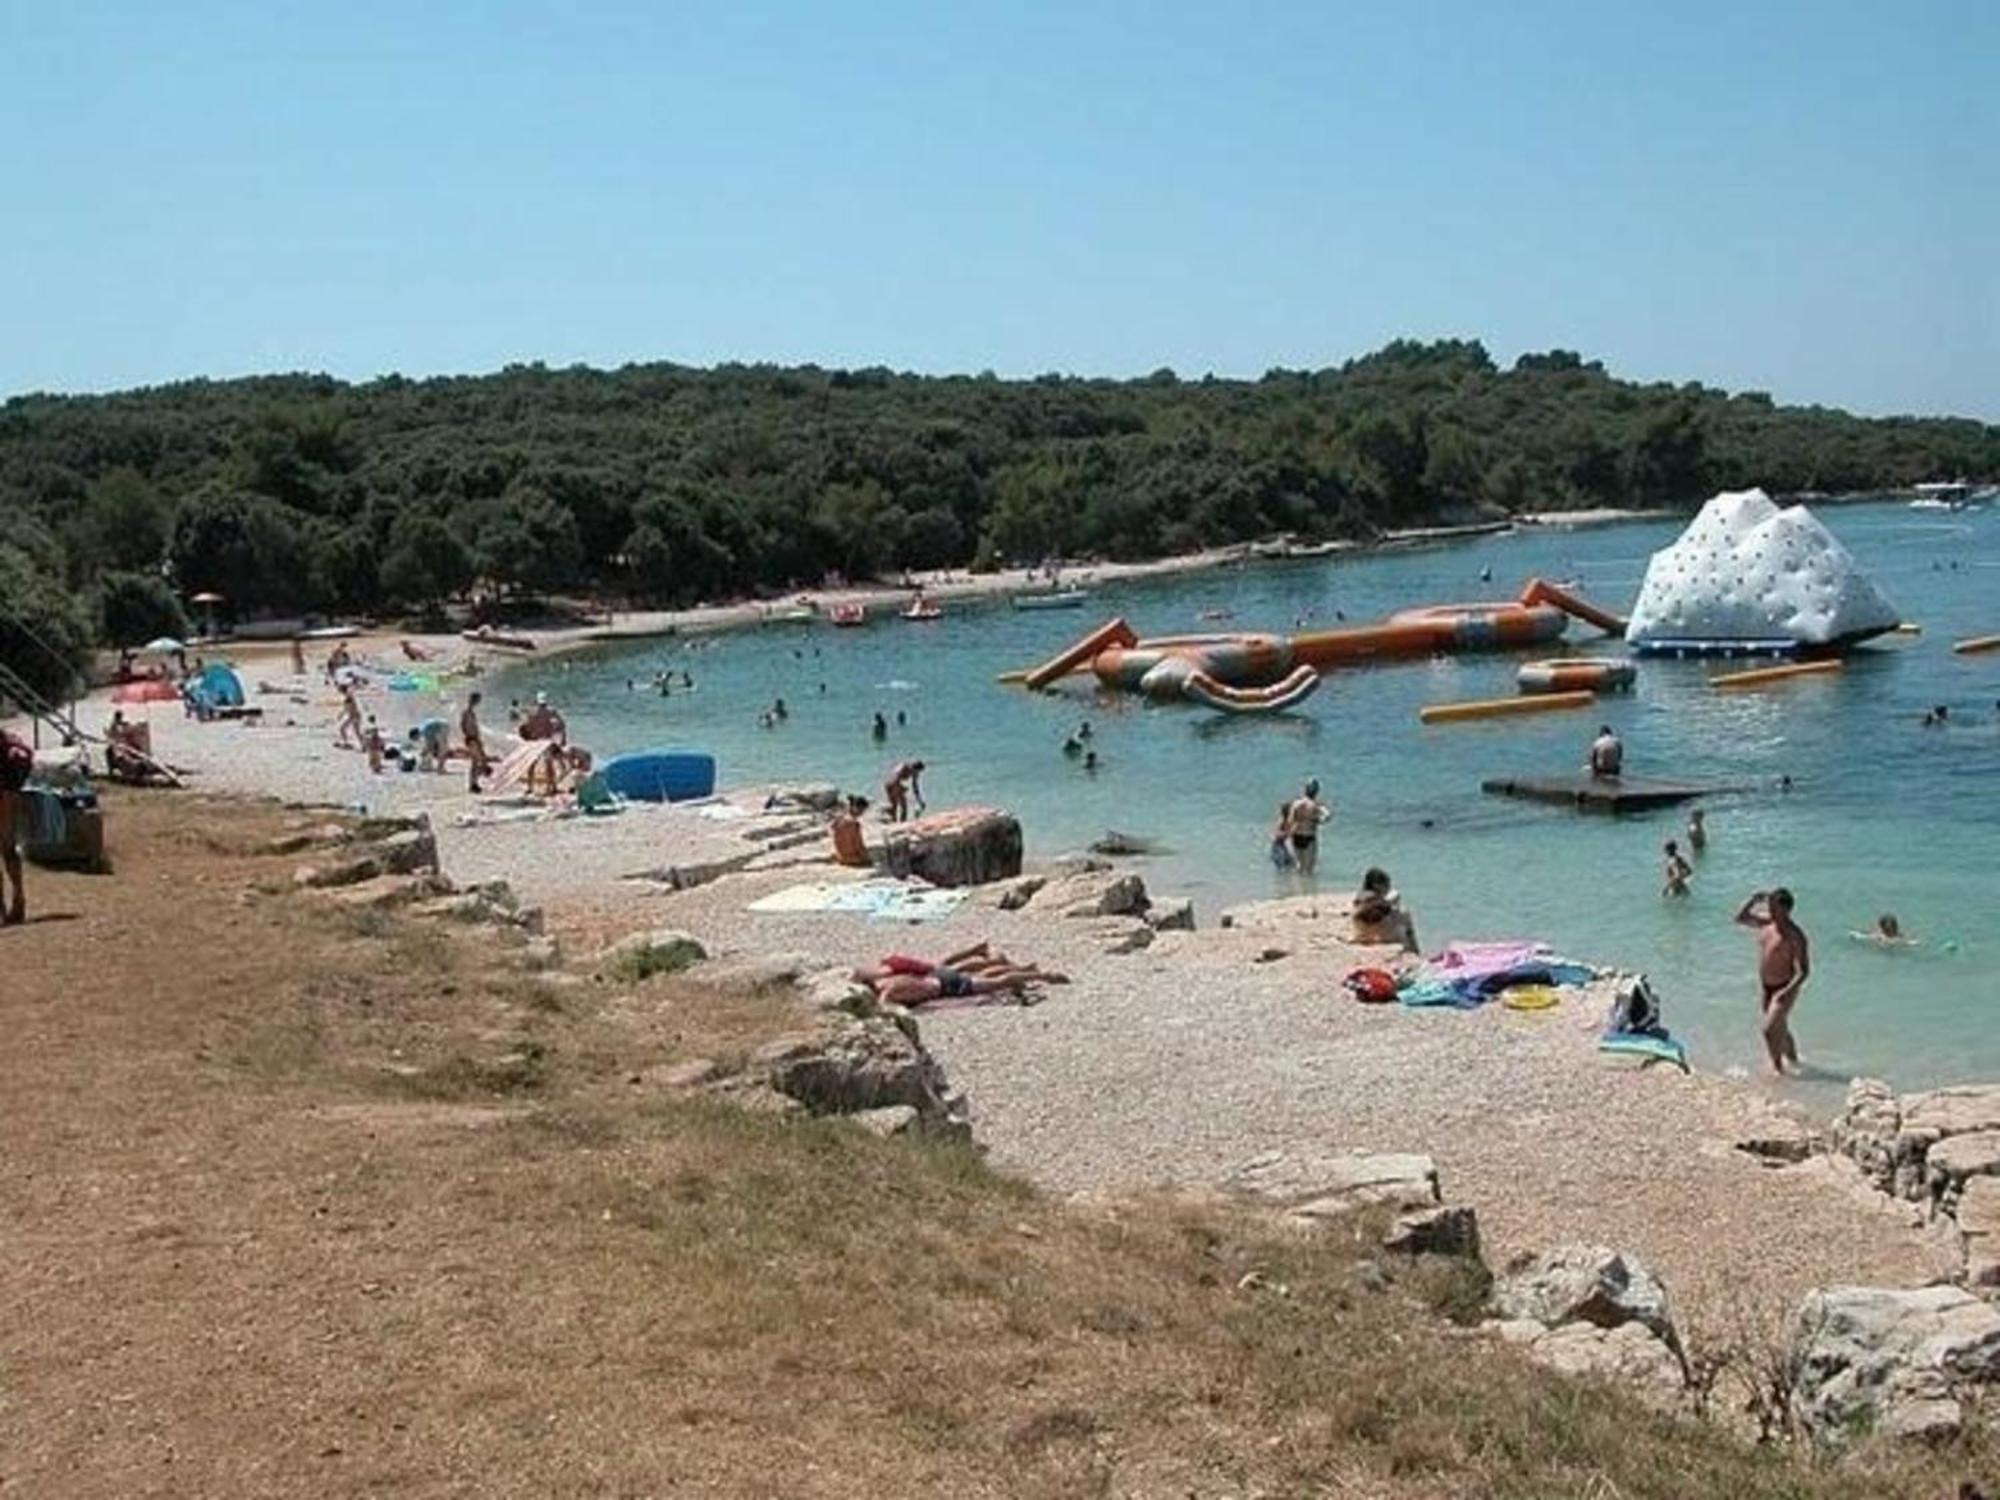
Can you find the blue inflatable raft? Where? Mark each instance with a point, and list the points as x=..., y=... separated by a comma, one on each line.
x=660, y=775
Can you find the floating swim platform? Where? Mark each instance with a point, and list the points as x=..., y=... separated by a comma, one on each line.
x=1696, y=646
x=1621, y=794
x=1493, y=708
x=1764, y=676
x=1978, y=645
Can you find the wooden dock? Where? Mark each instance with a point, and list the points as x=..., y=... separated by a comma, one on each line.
x=1592, y=794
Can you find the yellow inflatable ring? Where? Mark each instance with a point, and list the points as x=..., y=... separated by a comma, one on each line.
x=1530, y=997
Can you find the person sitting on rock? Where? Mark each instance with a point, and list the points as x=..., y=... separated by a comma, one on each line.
x=849, y=846
x=1378, y=914
x=1607, y=754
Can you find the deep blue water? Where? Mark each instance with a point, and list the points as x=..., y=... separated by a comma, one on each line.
x=1884, y=815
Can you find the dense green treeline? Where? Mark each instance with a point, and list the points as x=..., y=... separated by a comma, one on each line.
x=296, y=494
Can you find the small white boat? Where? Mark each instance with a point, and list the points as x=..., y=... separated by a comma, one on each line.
x=1949, y=495
x=1058, y=599
x=923, y=609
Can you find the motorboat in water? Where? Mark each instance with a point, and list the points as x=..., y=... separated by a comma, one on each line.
x=1055, y=599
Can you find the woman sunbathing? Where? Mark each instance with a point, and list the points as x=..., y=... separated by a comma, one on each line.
x=902, y=980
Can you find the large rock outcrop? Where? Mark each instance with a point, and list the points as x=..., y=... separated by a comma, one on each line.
x=864, y=1065
x=1940, y=1148
x=1746, y=570
x=962, y=846
x=1876, y=1360
x=1592, y=1310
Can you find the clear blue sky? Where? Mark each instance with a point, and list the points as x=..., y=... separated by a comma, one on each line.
x=1802, y=198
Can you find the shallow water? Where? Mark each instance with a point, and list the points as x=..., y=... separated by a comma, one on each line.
x=1884, y=815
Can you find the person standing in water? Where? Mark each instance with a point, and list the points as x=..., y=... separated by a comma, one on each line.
x=1784, y=963
x=879, y=730
x=1697, y=830
x=1677, y=871
x=1302, y=821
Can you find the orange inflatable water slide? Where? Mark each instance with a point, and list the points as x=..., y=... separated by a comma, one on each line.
x=1164, y=666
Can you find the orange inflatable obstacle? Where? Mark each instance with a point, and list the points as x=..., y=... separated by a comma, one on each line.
x=1164, y=666
x=1763, y=675
x=1111, y=633
x=1497, y=708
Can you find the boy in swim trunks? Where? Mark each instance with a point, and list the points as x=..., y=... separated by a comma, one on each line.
x=1784, y=963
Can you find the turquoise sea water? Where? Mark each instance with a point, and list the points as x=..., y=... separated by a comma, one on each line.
x=1884, y=814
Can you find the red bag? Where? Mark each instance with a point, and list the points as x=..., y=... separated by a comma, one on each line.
x=1371, y=986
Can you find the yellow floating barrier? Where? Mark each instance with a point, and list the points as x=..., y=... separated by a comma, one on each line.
x=1763, y=675
x=1977, y=645
x=1493, y=708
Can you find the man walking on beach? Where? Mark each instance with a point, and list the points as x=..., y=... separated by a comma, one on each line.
x=477, y=764
x=1784, y=963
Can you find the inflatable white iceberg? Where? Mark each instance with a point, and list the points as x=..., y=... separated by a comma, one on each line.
x=1745, y=571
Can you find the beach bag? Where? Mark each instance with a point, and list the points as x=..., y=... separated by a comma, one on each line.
x=1371, y=986
x=17, y=762
x=1636, y=1011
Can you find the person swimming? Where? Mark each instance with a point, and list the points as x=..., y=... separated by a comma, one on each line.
x=1887, y=933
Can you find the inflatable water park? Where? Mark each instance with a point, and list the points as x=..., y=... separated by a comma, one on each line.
x=1746, y=578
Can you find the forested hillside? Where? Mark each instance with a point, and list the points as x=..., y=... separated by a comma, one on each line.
x=663, y=483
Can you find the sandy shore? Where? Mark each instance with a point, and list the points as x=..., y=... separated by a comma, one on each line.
x=1179, y=1062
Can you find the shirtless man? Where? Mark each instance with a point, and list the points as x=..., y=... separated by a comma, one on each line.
x=1607, y=754
x=475, y=743
x=1302, y=820
x=1784, y=963
x=905, y=782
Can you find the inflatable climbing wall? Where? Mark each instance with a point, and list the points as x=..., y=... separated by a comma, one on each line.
x=1748, y=574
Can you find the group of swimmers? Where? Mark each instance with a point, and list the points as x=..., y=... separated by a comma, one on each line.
x=1076, y=746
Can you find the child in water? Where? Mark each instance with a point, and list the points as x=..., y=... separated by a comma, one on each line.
x=1886, y=933
x=1677, y=871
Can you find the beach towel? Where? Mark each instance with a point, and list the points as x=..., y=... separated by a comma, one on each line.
x=1425, y=992
x=1472, y=960
x=879, y=900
